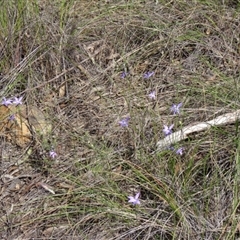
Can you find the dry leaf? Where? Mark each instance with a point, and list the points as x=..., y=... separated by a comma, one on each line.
x=62, y=90
x=16, y=123
x=13, y=126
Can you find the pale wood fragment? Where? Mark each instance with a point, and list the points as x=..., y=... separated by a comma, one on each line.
x=182, y=134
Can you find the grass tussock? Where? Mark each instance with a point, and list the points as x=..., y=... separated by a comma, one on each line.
x=67, y=59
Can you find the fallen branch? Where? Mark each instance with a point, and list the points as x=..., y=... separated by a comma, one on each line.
x=183, y=133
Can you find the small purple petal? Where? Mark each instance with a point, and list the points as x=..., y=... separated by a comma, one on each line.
x=124, y=122
x=148, y=74
x=12, y=117
x=168, y=130
x=180, y=151
x=124, y=74
x=6, y=102
x=152, y=95
x=175, y=109
x=134, y=200
x=17, y=101
x=52, y=154
x=170, y=148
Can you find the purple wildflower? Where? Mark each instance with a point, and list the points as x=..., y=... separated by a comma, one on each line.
x=175, y=109
x=170, y=148
x=148, y=74
x=152, y=95
x=12, y=117
x=124, y=122
x=134, y=200
x=124, y=74
x=180, y=151
x=167, y=130
x=6, y=101
x=17, y=101
x=52, y=154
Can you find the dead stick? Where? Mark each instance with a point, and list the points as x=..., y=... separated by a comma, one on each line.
x=183, y=133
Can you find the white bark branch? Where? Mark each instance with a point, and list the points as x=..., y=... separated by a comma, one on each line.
x=184, y=132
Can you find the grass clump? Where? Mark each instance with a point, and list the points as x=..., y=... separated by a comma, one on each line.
x=90, y=66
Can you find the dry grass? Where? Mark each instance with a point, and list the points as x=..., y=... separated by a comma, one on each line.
x=67, y=58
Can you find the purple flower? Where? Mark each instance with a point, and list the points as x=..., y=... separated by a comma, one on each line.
x=152, y=95
x=12, y=117
x=52, y=154
x=6, y=101
x=175, y=109
x=148, y=74
x=170, y=148
x=124, y=74
x=124, y=122
x=17, y=101
x=167, y=130
x=134, y=200
x=180, y=151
